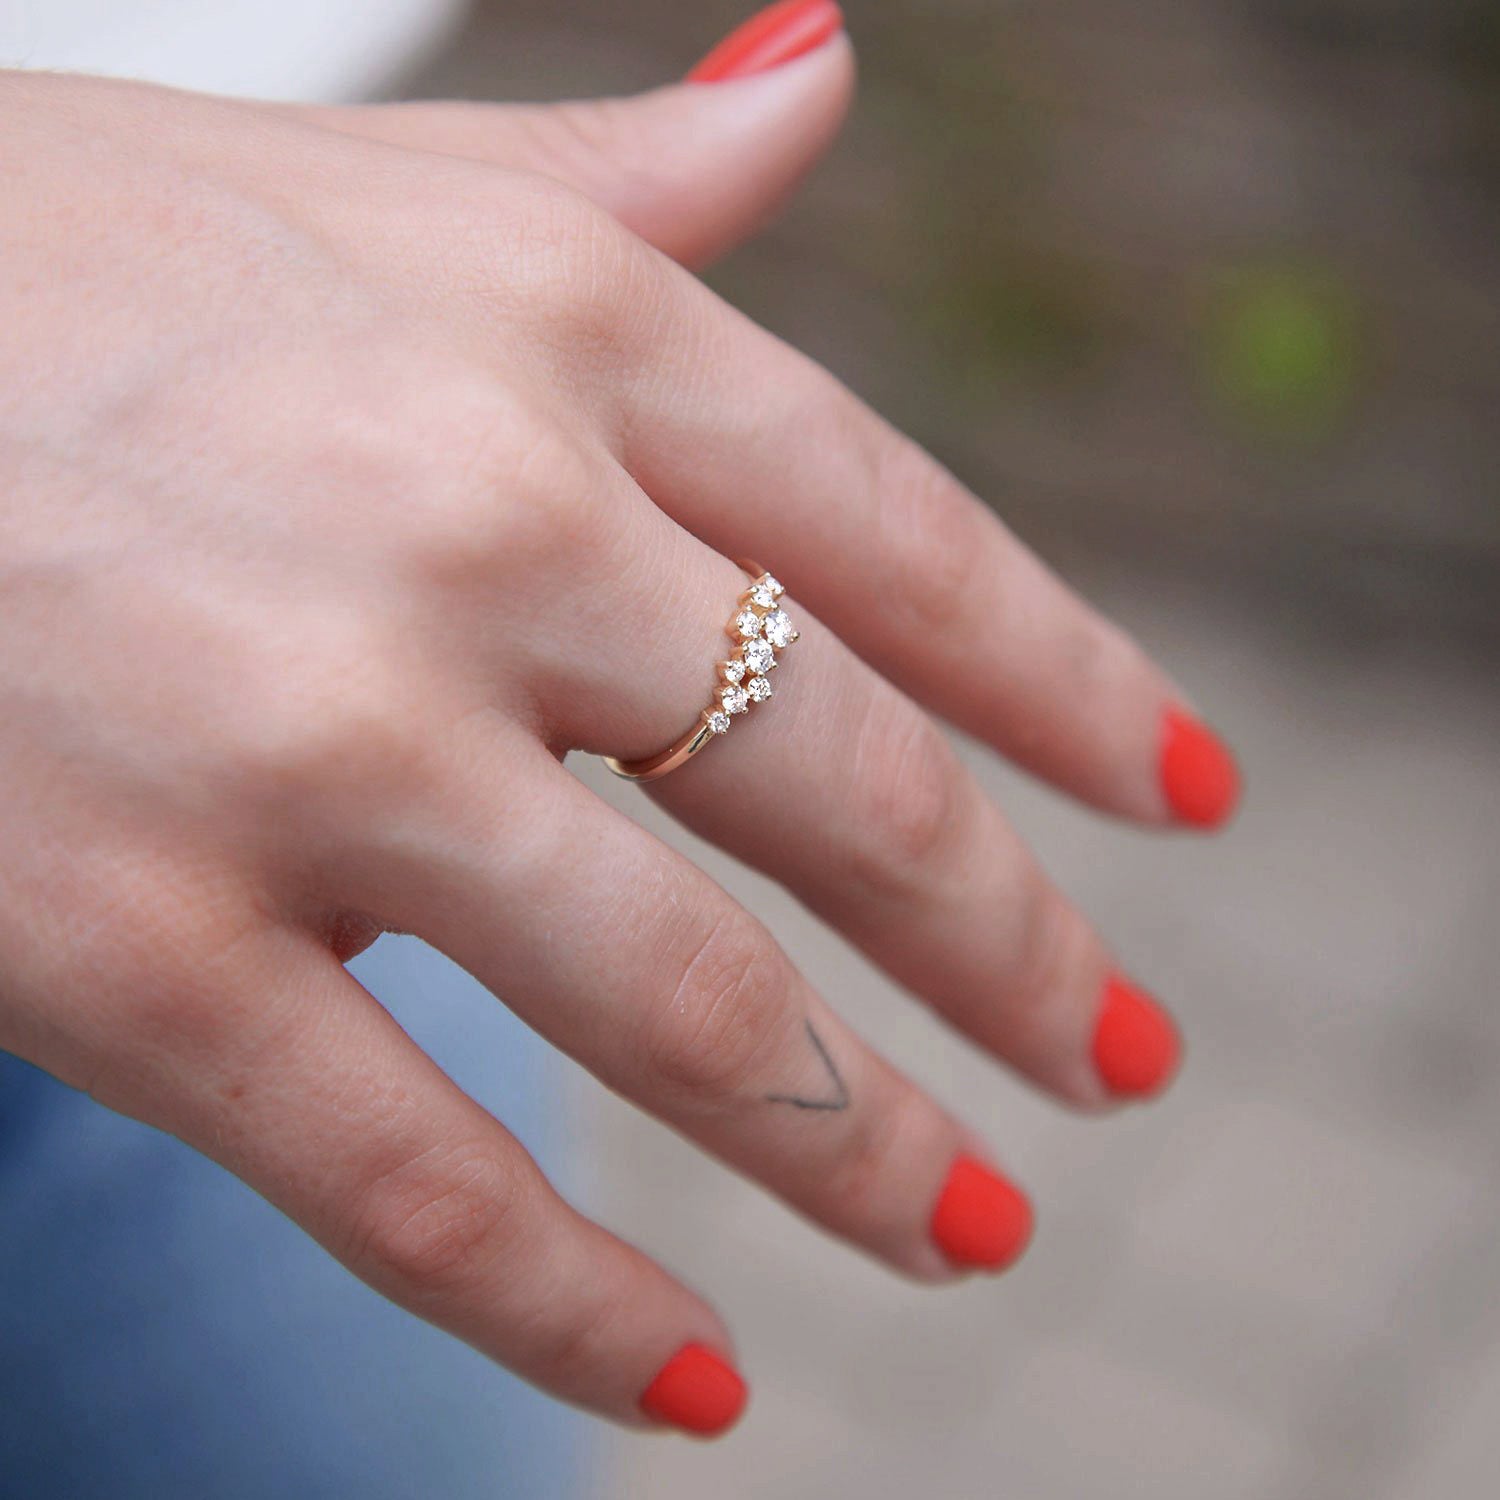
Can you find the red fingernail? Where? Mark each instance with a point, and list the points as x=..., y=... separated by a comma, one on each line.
x=696, y=1390
x=980, y=1218
x=1198, y=775
x=769, y=38
x=1136, y=1047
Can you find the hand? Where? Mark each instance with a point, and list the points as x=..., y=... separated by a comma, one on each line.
x=358, y=464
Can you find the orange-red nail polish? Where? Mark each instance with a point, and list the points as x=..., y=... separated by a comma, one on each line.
x=696, y=1390
x=769, y=38
x=1198, y=775
x=1136, y=1047
x=980, y=1219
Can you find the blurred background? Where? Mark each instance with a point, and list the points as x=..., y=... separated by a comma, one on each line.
x=1205, y=299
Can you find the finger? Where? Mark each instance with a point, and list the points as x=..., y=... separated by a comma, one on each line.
x=627, y=957
x=692, y=169
x=278, y=1065
x=851, y=797
x=768, y=456
x=848, y=794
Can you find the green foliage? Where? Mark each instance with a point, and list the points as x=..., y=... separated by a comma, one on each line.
x=1006, y=315
x=1282, y=349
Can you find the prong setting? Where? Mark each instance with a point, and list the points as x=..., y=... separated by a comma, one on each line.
x=759, y=656
x=760, y=629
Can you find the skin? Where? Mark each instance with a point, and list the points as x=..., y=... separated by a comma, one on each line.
x=358, y=464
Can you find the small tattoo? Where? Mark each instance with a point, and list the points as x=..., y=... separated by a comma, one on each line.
x=838, y=1100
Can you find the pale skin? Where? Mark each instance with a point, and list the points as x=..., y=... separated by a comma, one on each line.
x=358, y=464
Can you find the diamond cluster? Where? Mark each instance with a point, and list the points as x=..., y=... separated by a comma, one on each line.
x=761, y=628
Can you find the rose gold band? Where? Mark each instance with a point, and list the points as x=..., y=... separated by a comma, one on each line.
x=760, y=628
x=676, y=754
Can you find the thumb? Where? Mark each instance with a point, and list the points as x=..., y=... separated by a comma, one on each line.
x=696, y=167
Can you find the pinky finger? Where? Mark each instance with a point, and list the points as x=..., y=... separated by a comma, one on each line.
x=316, y=1098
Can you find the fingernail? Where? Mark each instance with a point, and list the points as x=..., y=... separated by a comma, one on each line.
x=980, y=1218
x=1136, y=1046
x=1198, y=775
x=769, y=38
x=696, y=1390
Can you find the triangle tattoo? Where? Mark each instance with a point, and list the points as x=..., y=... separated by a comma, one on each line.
x=838, y=1099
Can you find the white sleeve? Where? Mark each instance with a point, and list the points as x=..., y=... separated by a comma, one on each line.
x=315, y=50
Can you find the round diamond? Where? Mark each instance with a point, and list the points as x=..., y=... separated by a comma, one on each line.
x=718, y=722
x=765, y=591
x=759, y=689
x=734, y=699
x=734, y=669
x=779, y=628
x=747, y=622
x=759, y=656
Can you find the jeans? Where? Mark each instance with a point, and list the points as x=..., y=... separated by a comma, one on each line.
x=165, y=1333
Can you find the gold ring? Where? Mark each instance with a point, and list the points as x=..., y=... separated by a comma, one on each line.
x=760, y=628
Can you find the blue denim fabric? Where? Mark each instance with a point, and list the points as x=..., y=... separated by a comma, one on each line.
x=165, y=1333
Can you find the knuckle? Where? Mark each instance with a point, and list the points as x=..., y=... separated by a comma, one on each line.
x=552, y=506
x=434, y=1223
x=577, y=1345
x=333, y=736
x=1099, y=661
x=597, y=141
x=725, y=1011
x=906, y=790
x=161, y=938
x=584, y=277
x=145, y=988
x=517, y=492
x=1052, y=946
x=933, y=528
x=168, y=1015
x=466, y=436
x=865, y=1183
x=861, y=1174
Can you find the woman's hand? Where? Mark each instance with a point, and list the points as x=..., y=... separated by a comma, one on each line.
x=351, y=475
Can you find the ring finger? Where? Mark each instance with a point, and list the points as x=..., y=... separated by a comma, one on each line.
x=849, y=795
